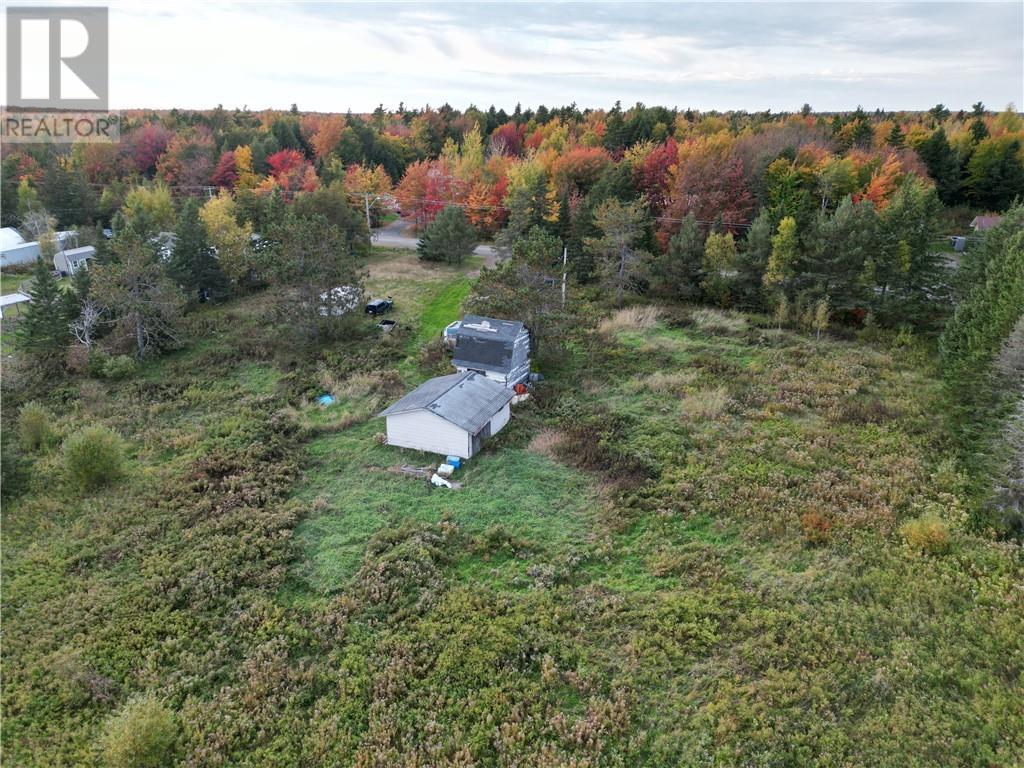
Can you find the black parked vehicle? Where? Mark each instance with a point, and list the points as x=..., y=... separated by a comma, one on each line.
x=380, y=306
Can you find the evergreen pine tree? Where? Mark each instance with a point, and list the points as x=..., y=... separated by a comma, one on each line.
x=679, y=271
x=44, y=330
x=943, y=166
x=449, y=237
x=978, y=129
x=995, y=173
x=193, y=264
x=895, y=138
x=752, y=260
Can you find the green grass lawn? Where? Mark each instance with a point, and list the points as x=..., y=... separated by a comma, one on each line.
x=442, y=309
x=541, y=502
x=10, y=282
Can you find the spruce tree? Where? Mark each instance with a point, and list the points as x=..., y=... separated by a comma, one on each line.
x=895, y=138
x=943, y=166
x=752, y=260
x=193, y=264
x=44, y=331
x=679, y=271
x=449, y=237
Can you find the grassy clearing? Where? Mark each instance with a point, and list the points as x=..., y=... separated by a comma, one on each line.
x=542, y=503
x=427, y=295
x=10, y=282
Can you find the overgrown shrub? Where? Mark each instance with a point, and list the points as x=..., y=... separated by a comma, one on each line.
x=927, y=534
x=119, y=367
x=600, y=441
x=94, y=366
x=93, y=457
x=865, y=411
x=115, y=367
x=141, y=735
x=13, y=472
x=75, y=681
x=817, y=528
x=706, y=404
x=717, y=321
x=34, y=427
x=401, y=573
x=630, y=318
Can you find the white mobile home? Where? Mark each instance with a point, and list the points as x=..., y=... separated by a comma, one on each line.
x=14, y=249
x=450, y=415
x=499, y=349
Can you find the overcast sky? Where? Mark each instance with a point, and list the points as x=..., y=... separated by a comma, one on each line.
x=339, y=56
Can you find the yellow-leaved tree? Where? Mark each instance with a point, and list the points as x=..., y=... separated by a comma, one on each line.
x=233, y=241
x=247, y=177
x=785, y=250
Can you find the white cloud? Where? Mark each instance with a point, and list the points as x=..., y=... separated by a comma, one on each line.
x=340, y=56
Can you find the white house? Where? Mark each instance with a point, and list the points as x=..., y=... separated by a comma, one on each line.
x=499, y=349
x=14, y=249
x=73, y=259
x=451, y=415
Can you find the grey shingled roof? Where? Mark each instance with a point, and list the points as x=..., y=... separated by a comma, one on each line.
x=468, y=400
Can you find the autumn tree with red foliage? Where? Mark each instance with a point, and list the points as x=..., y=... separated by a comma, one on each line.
x=653, y=176
x=508, y=139
x=102, y=163
x=412, y=190
x=188, y=161
x=427, y=187
x=226, y=172
x=485, y=209
x=883, y=183
x=292, y=171
x=578, y=169
x=146, y=144
x=712, y=189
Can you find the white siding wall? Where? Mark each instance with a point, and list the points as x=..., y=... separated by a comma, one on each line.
x=25, y=253
x=425, y=431
x=499, y=420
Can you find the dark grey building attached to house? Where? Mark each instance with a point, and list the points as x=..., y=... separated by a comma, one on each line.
x=499, y=349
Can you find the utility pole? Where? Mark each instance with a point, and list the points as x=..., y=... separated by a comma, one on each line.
x=565, y=271
x=366, y=202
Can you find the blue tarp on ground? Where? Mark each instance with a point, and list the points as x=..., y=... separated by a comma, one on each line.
x=325, y=400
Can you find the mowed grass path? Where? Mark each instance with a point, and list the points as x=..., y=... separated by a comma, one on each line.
x=427, y=296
